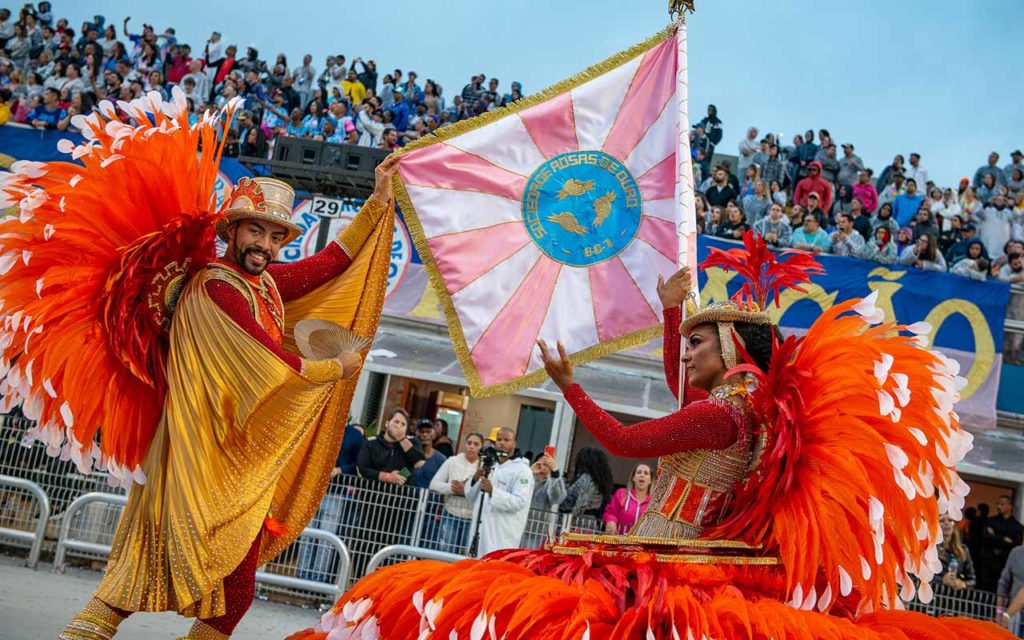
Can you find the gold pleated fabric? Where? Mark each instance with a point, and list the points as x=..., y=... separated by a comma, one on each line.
x=242, y=435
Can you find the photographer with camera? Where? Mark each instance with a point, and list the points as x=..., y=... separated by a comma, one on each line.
x=506, y=482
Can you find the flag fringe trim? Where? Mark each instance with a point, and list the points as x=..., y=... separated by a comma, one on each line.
x=459, y=344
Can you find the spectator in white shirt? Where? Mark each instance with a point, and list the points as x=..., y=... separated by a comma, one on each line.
x=916, y=171
x=370, y=124
x=214, y=47
x=450, y=481
x=748, y=147
x=199, y=78
x=507, y=491
x=845, y=240
x=948, y=207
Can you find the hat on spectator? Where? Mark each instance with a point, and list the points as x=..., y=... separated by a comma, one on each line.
x=848, y=144
x=964, y=181
x=970, y=226
x=260, y=199
x=1017, y=153
x=814, y=195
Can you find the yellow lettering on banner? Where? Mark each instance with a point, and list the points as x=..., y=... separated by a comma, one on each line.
x=984, y=345
x=882, y=272
x=715, y=288
x=886, y=290
x=428, y=306
x=815, y=294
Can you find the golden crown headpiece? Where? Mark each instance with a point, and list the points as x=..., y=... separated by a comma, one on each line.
x=260, y=199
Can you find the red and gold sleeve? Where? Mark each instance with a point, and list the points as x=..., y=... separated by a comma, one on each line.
x=670, y=353
x=233, y=303
x=709, y=424
x=296, y=279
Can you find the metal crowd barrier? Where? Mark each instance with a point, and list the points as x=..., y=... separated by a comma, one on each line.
x=324, y=542
x=93, y=539
x=93, y=542
x=361, y=525
x=23, y=523
x=406, y=552
x=968, y=603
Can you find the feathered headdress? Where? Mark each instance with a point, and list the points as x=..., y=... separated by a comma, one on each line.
x=89, y=274
x=765, y=276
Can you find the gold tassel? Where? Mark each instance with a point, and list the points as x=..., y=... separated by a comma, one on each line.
x=678, y=7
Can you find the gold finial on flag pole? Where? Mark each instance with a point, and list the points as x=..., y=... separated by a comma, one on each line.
x=677, y=7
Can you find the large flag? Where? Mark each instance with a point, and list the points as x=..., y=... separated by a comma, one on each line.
x=553, y=218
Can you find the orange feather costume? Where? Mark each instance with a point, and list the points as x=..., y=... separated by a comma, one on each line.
x=852, y=444
x=139, y=354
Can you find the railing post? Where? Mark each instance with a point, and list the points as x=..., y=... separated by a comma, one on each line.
x=63, y=541
x=39, y=535
x=407, y=550
x=421, y=513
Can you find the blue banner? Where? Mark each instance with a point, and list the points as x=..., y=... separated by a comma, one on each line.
x=966, y=316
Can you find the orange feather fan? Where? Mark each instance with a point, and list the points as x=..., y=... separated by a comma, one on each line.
x=87, y=264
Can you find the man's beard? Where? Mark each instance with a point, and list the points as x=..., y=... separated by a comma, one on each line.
x=243, y=255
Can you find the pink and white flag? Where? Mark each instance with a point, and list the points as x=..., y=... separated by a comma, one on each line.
x=554, y=217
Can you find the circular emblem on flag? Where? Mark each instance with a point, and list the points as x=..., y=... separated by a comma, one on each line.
x=582, y=207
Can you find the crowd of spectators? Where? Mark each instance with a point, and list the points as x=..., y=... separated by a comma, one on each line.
x=807, y=196
x=49, y=72
x=512, y=487
x=827, y=201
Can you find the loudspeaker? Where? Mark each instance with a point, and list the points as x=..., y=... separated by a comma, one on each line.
x=315, y=166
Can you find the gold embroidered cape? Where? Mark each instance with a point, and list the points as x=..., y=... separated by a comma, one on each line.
x=242, y=435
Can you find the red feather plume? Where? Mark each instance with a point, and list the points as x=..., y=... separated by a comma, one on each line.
x=765, y=275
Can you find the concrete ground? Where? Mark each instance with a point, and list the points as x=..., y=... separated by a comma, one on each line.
x=36, y=604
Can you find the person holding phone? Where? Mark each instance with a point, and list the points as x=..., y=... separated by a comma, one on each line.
x=548, y=492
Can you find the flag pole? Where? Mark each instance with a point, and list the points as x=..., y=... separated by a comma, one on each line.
x=687, y=231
